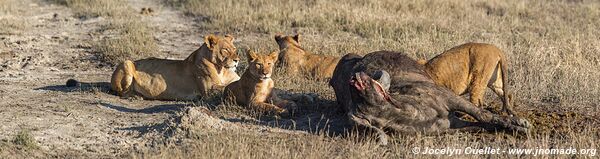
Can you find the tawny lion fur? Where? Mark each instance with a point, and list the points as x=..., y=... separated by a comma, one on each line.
x=255, y=88
x=211, y=66
x=297, y=61
x=470, y=68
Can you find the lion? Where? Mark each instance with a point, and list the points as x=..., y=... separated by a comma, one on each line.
x=469, y=68
x=255, y=87
x=296, y=60
x=211, y=66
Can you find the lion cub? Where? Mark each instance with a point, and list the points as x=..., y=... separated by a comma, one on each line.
x=296, y=60
x=470, y=68
x=255, y=87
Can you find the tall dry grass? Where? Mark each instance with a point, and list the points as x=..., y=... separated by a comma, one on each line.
x=552, y=46
x=10, y=22
x=133, y=40
x=129, y=38
x=95, y=8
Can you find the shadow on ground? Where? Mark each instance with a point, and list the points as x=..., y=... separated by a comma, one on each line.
x=164, y=108
x=83, y=86
x=321, y=116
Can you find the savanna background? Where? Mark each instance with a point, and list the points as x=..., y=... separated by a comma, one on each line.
x=553, y=49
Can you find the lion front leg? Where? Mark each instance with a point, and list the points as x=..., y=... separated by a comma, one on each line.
x=212, y=73
x=289, y=102
x=267, y=107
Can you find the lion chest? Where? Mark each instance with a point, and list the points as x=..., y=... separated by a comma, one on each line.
x=262, y=90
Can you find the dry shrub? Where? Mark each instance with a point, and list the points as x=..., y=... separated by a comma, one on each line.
x=10, y=26
x=95, y=8
x=8, y=6
x=25, y=140
x=10, y=22
x=134, y=40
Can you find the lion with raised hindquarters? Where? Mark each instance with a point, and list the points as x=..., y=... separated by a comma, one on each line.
x=255, y=87
x=211, y=66
x=297, y=61
x=470, y=68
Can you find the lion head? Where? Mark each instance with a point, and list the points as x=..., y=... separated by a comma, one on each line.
x=261, y=65
x=222, y=51
x=285, y=41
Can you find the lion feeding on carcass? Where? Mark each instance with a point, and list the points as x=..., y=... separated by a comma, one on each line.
x=390, y=92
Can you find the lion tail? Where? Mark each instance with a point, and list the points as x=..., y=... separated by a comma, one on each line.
x=506, y=98
x=73, y=83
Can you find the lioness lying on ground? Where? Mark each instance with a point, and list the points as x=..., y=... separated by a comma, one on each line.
x=389, y=92
x=255, y=88
x=471, y=68
x=211, y=66
x=296, y=60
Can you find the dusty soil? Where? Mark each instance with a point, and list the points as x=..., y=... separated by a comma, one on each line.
x=91, y=121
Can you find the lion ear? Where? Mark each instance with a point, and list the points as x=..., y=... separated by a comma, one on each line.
x=210, y=40
x=274, y=55
x=278, y=37
x=296, y=38
x=251, y=55
x=229, y=38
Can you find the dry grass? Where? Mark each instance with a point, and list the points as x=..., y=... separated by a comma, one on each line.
x=11, y=26
x=10, y=23
x=8, y=6
x=22, y=145
x=129, y=38
x=134, y=40
x=230, y=144
x=25, y=140
x=95, y=8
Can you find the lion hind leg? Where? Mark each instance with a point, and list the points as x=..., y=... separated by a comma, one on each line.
x=481, y=78
x=123, y=77
x=486, y=119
